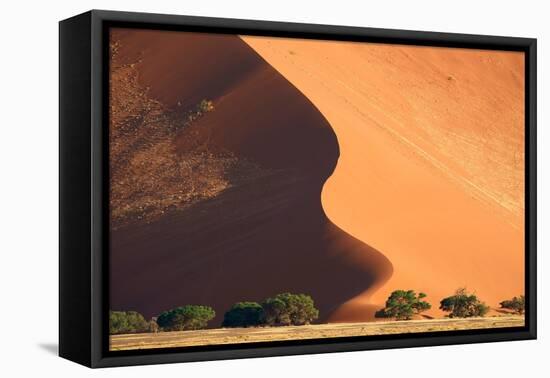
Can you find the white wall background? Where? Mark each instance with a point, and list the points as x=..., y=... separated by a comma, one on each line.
x=29, y=176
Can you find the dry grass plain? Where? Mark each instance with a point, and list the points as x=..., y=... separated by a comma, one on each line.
x=315, y=331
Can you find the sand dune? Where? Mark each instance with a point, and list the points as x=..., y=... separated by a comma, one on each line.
x=431, y=160
x=264, y=233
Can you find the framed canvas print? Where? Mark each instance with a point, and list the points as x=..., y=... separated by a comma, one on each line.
x=234, y=188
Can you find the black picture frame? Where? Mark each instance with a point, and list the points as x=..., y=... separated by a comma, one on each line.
x=83, y=180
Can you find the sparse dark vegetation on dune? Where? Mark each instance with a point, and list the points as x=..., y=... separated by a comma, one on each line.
x=403, y=304
x=463, y=305
x=149, y=176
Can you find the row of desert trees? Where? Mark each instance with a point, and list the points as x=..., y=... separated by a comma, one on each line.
x=189, y=317
x=298, y=309
x=280, y=310
x=403, y=304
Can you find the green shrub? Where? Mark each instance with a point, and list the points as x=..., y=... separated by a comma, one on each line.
x=244, y=314
x=403, y=304
x=127, y=322
x=289, y=309
x=205, y=106
x=188, y=317
x=463, y=305
x=517, y=304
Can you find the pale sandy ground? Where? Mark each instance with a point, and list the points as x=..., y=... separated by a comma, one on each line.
x=250, y=335
x=431, y=160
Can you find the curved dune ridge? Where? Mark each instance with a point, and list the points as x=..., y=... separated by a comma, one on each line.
x=431, y=160
x=262, y=234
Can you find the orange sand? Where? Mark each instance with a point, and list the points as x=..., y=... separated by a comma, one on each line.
x=431, y=160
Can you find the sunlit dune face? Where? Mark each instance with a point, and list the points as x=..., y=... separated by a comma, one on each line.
x=431, y=167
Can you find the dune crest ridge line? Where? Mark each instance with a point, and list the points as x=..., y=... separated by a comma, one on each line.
x=431, y=158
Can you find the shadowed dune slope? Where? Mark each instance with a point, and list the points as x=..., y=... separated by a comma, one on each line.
x=431, y=159
x=262, y=235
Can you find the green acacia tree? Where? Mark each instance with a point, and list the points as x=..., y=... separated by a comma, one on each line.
x=127, y=322
x=189, y=317
x=403, y=304
x=517, y=304
x=463, y=305
x=289, y=309
x=244, y=314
